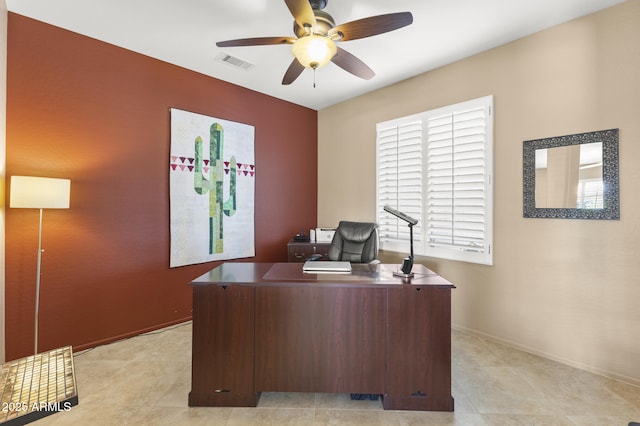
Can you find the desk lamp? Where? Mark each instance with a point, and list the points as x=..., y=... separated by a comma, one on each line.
x=407, y=263
x=39, y=193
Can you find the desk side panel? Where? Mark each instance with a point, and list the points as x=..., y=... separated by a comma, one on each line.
x=222, y=346
x=419, y=350
x=320, y=339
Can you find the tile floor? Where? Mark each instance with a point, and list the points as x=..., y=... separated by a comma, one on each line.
x=145, y=381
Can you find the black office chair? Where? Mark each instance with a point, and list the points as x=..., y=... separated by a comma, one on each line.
x=355, y=242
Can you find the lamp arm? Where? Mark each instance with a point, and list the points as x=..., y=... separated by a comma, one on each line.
x=407, y=263
x=411, y=238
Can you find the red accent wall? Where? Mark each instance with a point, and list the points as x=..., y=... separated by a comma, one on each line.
x=98, y=114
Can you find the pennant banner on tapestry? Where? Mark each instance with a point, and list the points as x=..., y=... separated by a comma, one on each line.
x=211, y=184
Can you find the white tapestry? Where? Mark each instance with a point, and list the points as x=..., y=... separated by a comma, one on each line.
x=211, y=185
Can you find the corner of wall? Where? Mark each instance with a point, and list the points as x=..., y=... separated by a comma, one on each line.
x=3, y=136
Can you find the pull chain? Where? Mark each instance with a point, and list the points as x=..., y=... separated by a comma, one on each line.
x=314, y=78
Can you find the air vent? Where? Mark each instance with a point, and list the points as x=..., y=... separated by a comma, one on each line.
x=234, y=62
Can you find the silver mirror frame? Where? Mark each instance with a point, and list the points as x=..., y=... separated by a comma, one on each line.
x=610, y=176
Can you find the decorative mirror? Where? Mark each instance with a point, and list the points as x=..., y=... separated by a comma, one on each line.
x=572, y=177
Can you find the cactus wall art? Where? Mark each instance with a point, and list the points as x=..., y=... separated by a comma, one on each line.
x=211, y=189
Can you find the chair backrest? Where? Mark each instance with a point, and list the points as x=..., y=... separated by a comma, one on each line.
x=355, y=242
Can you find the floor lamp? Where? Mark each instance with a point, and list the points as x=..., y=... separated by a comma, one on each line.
x=39, y=193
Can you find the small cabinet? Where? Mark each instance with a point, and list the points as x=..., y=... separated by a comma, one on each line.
x=300, y=251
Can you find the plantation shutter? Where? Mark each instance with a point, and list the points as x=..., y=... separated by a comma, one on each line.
x=458, y=199
x=436, y=166
x=590, y=194
x=399, y=180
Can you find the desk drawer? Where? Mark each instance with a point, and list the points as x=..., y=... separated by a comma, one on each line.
x=299, y=252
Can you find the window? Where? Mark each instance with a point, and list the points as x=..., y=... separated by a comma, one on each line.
x=437, y=167
x=590, y=194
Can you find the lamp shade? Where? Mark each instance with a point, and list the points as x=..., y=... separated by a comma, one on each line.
x=314, y=51
x=31, y=192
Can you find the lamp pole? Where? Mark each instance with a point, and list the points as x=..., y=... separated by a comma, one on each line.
x=35, y=342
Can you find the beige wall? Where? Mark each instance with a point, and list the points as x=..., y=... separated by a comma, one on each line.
x=565, y=289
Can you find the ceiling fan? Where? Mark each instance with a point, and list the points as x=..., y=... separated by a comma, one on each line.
x=317, y=34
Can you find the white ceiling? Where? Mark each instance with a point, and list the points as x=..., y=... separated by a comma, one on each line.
x=185, y=32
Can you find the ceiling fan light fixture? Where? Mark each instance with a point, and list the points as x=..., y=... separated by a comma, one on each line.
x=316, y=35
x=314, y=51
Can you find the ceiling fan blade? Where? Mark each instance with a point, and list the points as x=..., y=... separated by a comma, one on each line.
x=371, y=26
x=350, y=63
x=293, y=72
x=302, y=12
x=257, y=41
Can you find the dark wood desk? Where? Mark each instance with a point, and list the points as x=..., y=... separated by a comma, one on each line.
x=263, y=327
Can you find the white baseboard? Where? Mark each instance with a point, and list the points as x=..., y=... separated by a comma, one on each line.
x=611, y=375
